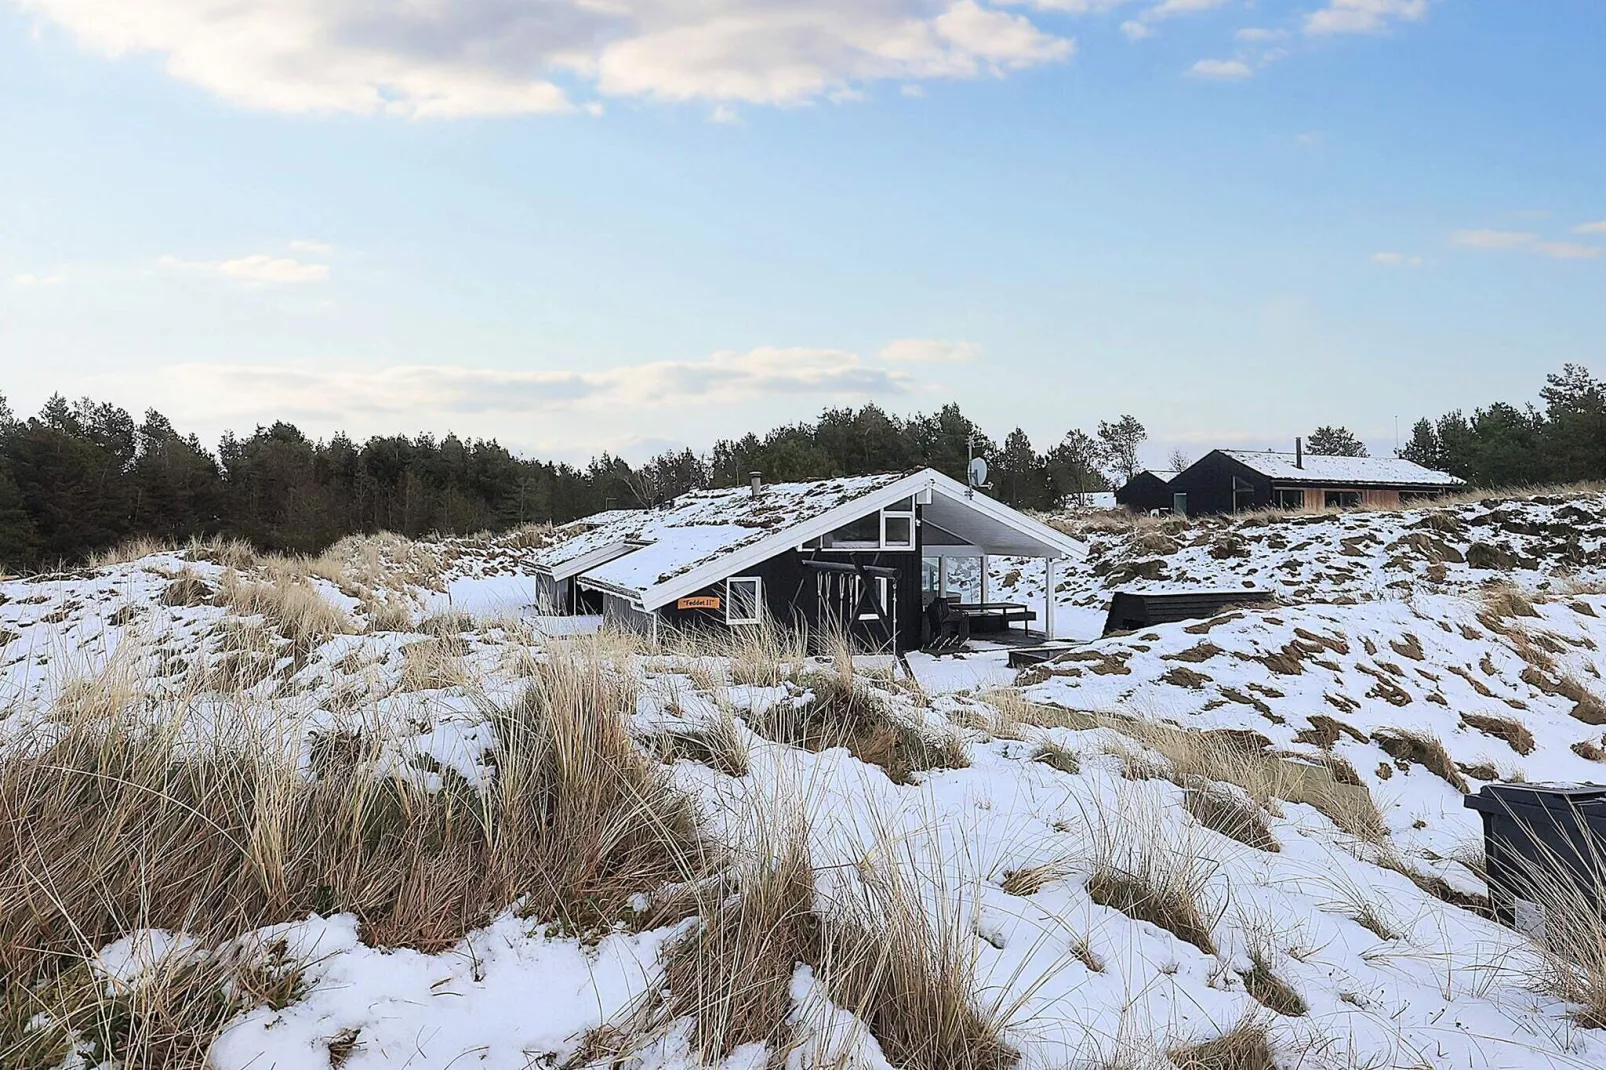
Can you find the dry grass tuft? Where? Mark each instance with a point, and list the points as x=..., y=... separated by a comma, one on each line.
x=230, y=553
x=290, y=603
x=847, y=711
x=1160, y=880
x=1270, y=990
x=1504, y=601
x=719, y=745
x=229, y=836
x=128, y=550
x=391, y=615
x=1512, y=731
x=909, y=973
x=1247, y=1046
x=188, y=588
x=168, y=1016
x=1058, y=757
x=431, y=665
x=1424, y=749
x=1230, y=813
x=732, y=973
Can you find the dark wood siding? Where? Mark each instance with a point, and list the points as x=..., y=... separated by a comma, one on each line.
x=790, y=594
x=1208, y=483
x=790, y=597
x=1143, y=492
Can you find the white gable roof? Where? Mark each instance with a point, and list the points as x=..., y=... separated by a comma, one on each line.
x=705, y=536
x=1355, y=471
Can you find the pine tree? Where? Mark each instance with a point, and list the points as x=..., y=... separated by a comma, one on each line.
x=1327, y=441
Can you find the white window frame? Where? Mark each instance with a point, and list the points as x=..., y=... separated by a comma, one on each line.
x=889, y=515
x=758, y=600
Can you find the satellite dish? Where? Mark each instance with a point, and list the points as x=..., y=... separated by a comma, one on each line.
x=978, y=472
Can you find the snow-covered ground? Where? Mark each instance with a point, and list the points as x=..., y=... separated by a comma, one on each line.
x=1381, y=630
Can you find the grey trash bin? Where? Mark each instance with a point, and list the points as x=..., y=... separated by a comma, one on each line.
x=1555, y=829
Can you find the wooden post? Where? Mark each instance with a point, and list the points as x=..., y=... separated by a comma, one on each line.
x=1048, y=596
x=942, y=576
x=983, y=579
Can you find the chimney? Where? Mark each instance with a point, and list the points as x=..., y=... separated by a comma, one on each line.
x=755, y=480
x=1299, y=453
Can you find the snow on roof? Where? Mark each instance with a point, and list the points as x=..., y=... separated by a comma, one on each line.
x=1164, y=475
x=700, y=526
x=1384, y=471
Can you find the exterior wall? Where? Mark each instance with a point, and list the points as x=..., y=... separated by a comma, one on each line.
x=617, y=611
x=790, y=598
x=1375, y=497
x=551, y=596
x=1145, y=491
x=1208, y=485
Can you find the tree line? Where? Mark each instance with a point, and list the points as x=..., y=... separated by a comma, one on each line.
x=1560, y=440
x=84, y=476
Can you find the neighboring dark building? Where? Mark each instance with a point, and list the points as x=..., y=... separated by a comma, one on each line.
x=1147, y=491
x=1234, y=481
x=839, y=553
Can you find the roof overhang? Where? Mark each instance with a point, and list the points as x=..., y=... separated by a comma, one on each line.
x=600, y=556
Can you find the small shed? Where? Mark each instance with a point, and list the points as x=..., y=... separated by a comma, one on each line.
x=1147, y=491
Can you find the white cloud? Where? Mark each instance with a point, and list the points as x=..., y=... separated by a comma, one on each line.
x=928, y=351
x=1518, y=239
x=415, y=391
x=1397, y=259
x=1567, y=250
x=30, y=279
x=316, y=248
x=1259, y=35
x=1493, y=239
x=1135, y=30
x=1168, y=8
x=724, y=113
x=1310, y=139
x=1591, y=228
x=498, y=57
x=1229, y=70
x=1363, y=16
x=258, y=269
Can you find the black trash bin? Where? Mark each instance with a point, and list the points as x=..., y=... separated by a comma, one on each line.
x=1555, y=829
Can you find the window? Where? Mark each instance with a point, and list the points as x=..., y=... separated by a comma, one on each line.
x=1243, y=495
x=1286, y=498
x=744, y=600
x=883, y=599
x=897, y=532
x=1342, y=499
x=892, y=528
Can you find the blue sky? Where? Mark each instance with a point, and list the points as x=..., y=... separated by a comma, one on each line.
x=579, y=226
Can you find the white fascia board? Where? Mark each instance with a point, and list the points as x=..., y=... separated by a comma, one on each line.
x=1040, y=532
x=664, y=593
x=633, y=597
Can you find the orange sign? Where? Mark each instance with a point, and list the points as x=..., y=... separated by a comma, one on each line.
x=700, y=601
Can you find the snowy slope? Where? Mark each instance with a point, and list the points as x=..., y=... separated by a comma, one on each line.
x=1372, y=640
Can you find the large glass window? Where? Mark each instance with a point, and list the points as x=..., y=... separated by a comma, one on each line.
x=1342, y=499
x=1289, y=498
x=892, y=528
x=743, y=599
x=861, y=534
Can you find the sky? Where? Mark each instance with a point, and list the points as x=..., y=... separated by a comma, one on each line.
x=627, y=225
